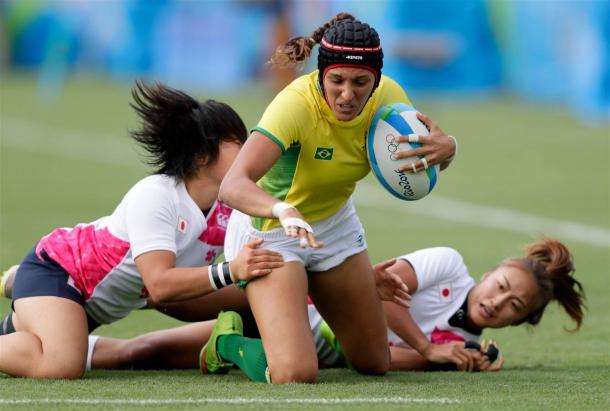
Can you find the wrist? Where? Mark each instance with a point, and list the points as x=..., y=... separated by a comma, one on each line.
x=220, y=275
x=423, y=347
x=232, y=271
x=448, y=160
x=279, y=207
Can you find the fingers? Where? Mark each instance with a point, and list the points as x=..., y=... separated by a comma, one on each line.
x=308, y=239
x=385, y=264
x=399, y=284
x=263, y=264
x=430, y=124
x=497, y=364
x=416, y=166
x=401, y=302
x=254, y=243
x=414, y=152
x=464, y=359
x=292, y=231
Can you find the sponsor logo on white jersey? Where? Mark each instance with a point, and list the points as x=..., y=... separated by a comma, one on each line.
x=222, y=220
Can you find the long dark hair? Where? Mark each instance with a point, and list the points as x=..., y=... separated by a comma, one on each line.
x=178, y=132
x=552, y=265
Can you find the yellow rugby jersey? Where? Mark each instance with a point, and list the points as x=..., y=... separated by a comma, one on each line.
x=322, y=157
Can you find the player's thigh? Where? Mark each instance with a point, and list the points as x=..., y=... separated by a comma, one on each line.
x=61, y=326
x=279, y=304
x=347, y=298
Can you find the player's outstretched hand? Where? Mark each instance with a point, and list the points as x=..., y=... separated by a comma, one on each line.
x=390, y=286
x=253, y=262
x=436, y=148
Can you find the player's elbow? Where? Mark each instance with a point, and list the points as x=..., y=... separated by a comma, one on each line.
x=224, y=192
x=229, y=191
x=160, y=293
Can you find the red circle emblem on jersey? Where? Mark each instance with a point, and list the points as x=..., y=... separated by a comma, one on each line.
x=445, y=292
x=182, y=225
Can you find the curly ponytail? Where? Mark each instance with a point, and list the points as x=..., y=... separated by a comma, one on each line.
x=298, y=49
x=551, y=264
x=177, y=131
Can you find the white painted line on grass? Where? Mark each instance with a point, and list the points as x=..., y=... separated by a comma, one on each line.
x=234, y=401
x=485, y=216
x=87, y=146
x=107, y=149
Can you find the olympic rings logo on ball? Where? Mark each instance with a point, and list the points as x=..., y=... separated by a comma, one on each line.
x=392, y=146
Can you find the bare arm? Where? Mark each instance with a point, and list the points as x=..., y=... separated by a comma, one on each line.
x=238, y=189
x=167, y=283
x=406, y=359
x=400, y=321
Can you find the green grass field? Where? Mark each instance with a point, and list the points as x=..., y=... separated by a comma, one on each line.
x=521, y=171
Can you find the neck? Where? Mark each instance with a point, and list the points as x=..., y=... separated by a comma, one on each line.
x=465, y=322
x=203, y=190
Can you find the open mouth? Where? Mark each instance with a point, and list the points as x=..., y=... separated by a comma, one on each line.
x=346, y=108
x=487, y=312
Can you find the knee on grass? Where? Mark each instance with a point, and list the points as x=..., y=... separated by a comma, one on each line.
x=378, y=365
x=290, y=373
x=66, y=371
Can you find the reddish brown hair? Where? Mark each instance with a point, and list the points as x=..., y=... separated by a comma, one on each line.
x=298, y=49
x=551, y=264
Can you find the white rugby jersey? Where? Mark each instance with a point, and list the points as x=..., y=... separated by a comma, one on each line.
x=157, y=213
x=438, y=305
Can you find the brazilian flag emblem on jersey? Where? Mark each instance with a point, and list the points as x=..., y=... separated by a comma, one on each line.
x=324, y=153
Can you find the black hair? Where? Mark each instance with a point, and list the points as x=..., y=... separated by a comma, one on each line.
x=178, y=132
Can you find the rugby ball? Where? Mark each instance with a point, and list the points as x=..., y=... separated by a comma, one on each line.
x=388, y=123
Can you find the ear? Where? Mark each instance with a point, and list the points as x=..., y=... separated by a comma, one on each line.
x=202, y=161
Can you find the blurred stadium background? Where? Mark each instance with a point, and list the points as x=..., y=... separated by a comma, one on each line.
x=524, y=85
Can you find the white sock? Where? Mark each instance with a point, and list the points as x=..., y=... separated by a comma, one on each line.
x=92, y=341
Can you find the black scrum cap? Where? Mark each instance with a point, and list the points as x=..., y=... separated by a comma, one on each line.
x=350, y=43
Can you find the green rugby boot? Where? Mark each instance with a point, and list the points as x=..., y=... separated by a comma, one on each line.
x=210, y=362
x=329, y=336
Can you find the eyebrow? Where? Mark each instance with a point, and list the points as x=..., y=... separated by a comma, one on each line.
x=340, y=77
x=508, y=286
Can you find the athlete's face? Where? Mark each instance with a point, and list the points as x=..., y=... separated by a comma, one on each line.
x=227, y=152
x=347, y=89
x=502, y=297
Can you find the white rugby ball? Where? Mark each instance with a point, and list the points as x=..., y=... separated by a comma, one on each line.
x=388, y=123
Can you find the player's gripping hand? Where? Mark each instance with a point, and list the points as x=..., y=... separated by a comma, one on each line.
x=436, y=148
x=253, y=262
x=295, y=225
x=390, y=287
x=492, y=359
x=452, y=352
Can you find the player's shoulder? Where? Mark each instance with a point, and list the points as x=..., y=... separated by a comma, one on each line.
x=300, y=94
x=389, y=92
x=156, y=185
x=436, y=253
x=389, y=82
